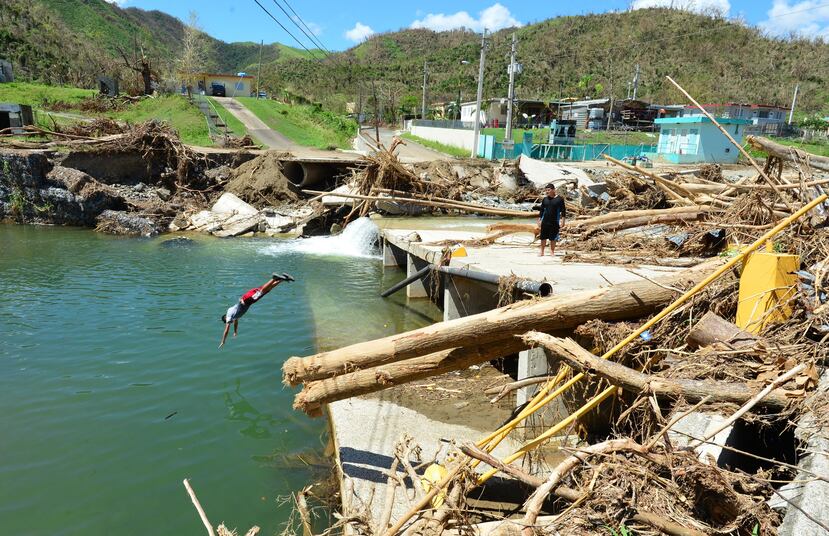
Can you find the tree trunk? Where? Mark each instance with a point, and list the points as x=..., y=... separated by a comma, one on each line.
x=146, y=75
x=714, y=329
x=629, y=223
x=370, y=380
x=619, y=302
x=636, y=382
x=786, y=153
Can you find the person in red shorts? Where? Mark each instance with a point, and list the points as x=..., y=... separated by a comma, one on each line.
x=235, y=312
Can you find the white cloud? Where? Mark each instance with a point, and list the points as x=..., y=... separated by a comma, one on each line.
x=359, y=33
x=809, y=19
x=118, y=2
x=700, y=6
x=493, y=18
x=315, y=28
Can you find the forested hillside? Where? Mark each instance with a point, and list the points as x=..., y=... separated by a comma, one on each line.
x=716, y=59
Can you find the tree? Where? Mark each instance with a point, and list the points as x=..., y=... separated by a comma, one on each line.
x=193, y=53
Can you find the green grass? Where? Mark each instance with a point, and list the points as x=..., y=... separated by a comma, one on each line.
x=235, y=126
x=184, y=116
x=815, y=146
x=305, y=125
x=437, y=146
x=583, y=137
x=36, y=95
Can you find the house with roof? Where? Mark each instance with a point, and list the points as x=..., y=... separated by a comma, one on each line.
x=696, y=139
x=756, y=114
x=233, y=85
x=494, y=112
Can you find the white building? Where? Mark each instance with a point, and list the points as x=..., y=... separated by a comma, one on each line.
x=757, y=114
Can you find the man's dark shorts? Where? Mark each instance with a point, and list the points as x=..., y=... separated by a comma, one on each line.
x=549, y=232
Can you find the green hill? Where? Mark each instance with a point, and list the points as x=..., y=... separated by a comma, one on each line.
x=73, y=41
x=715, y=59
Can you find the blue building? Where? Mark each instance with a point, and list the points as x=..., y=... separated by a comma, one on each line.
x=695, y=139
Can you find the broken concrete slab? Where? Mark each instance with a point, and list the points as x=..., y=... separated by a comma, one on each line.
x=540, y=173
x=228, y=203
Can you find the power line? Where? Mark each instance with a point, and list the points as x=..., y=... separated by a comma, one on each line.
x=315, y=38
x=286, y=30
x=295, y=23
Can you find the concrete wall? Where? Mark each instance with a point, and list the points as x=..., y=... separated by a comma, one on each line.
x=449, y=136
x=703, y=142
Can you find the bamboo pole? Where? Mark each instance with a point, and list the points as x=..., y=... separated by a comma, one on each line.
x=199, y=509
x=734, y=142
x=605, y=394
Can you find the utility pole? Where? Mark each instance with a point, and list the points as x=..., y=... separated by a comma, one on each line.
x=610, y=112
x=259, y=70
x=511, y=91
x=794, y=101
x=636, y=82
x=477, y=123
x=425, y=79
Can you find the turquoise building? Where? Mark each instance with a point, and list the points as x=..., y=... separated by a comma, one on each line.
x=692, y=140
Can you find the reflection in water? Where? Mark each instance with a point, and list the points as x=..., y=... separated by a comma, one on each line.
x=240, y=410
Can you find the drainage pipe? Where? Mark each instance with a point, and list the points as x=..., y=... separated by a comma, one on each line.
x=408, y=281
x=540, y=288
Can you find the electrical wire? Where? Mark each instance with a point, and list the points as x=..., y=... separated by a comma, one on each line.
x=286, y=30
x=315, y=39
x=298, y=26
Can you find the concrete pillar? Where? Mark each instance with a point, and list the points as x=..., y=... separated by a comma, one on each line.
x=419, y=288
x=531, y=363
x=393, y=255
x=464, y=297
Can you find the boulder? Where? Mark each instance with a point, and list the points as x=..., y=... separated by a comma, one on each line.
x=121, y=223
x=230, y=204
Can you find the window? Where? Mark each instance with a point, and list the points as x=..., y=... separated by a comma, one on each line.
x=736, y=129
x=764, y=114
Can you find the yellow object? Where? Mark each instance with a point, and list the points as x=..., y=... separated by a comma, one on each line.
x=537, y=402
x=766, y=285
x=431, y=476
x=459, y=252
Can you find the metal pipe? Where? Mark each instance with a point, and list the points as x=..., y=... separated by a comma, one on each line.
x=408, y=281
x=540, y=288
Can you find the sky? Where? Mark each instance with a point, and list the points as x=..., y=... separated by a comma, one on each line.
x=339, y=25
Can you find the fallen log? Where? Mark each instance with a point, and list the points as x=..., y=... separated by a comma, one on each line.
x=713, y=328
x=790, y=154
x=316, y=393
x=637, y=382
x=455, y=205
x=681, y=217
x=619, y=302
x=674, y=190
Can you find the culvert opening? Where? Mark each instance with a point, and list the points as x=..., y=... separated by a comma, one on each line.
x=775, y=441
x=294, y=172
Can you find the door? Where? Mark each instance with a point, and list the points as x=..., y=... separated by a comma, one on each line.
x=682, y=141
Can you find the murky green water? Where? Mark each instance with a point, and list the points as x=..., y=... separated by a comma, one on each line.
x=112, y=389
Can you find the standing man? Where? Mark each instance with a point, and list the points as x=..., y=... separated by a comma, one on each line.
x=552, y=214
x=249, y=298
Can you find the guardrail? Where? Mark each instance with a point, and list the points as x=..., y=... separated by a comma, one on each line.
x=215, y=124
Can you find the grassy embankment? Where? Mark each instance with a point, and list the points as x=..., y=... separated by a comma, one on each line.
x=183, y=116
x=234, y=125
x=304, y=124
x=437, y=146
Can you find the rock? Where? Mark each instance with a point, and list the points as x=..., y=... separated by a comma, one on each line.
x=238, y=224
x=179, y=242
x=164, y=194
x=140, y=187
x=278, y=222
x=122, y=223
x=23, y=169
x=507, y=182
x=336, y=228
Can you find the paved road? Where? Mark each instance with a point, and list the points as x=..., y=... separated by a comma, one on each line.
x=411, y=152
x=256, y=127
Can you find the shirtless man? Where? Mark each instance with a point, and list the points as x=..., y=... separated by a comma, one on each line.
x=249, y=298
